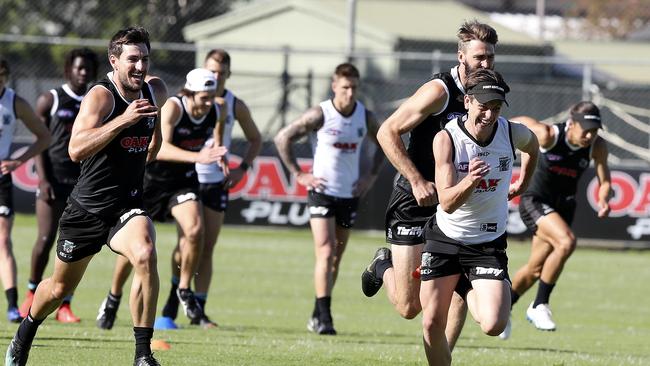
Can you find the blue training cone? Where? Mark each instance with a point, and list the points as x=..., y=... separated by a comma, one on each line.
x=164, y=323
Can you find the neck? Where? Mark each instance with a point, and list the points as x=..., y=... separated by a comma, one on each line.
x=462, y=74
x=79, y=90
x=343, y=108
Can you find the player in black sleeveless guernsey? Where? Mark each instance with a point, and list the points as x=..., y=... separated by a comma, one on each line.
x=413, y=199
x=547, y=208
x=13, y=108
x=114, y=134
x=57, y=173
x=171, y=187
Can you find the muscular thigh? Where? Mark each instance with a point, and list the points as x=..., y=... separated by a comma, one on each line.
x=129, y=235
x=552, y=228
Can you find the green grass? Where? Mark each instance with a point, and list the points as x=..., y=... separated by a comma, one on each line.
x=262, y=296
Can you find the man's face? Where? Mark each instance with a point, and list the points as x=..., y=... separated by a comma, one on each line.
x=345, y=90
x=203, y=101
x=221, y=71
x=580, y=136
x=81, y=73
x=482, y=115
x=477, y=55
x=132, y=66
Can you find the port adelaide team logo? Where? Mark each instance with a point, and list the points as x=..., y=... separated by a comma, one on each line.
x=504, y=163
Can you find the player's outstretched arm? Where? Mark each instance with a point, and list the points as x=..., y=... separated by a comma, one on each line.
x=429, y=99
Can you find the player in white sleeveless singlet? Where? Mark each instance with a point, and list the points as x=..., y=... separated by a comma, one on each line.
x=474, y=157
x=336, y=128
x=13, y=108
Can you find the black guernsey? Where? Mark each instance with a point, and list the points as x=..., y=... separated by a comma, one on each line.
x=64, y=111
x=420, y=145
x=188, y=135
x=559, y=169
x=111, y=179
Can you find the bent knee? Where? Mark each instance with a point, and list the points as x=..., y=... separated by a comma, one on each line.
x=144, y=255
x=434, y=325
x=408, y=310
x=567, y=245
x=493, y=327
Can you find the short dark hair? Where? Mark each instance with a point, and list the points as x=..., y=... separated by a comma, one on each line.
x=473, y=29
x=346, y=70
x=130, y=35
x=585, y=107
x=219, y=55
x=4, y=66
x=485, y=75
x=84, y=53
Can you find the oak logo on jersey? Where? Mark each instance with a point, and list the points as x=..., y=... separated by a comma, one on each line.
x=135, y=144
x=346, y=147
x=487, y=185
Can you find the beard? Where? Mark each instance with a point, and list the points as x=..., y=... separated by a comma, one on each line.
x=127, y=85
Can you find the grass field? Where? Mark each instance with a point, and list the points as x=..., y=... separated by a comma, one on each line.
x=262, y=296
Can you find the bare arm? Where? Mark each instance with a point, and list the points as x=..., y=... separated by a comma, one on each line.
x=311, y=120
x=42, y=161
x=160, y=94
x=368, y=175
x=451, y=192
x=170, y=115
x=526, y=142
x=429, y=99
x=253, y=136
x=89, y=135
x=545, y=133
x=25, y=113
x=599, y=154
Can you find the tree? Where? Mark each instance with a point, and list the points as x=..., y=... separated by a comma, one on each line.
x=615, y=19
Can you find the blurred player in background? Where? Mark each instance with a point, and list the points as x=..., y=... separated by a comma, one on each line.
x=13, y=108
x=337, y=128
x=57, y=173
x=547, y=208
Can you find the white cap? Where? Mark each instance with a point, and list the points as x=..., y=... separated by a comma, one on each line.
x=199, y=80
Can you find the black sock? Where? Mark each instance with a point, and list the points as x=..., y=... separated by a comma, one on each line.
x=382, y=266
x=315, y=313
x=12, y=297
x=543, y=293
x=32, y=285
x=324, y=304
x=201, y=300
x=114, y=298
x=142, y=341
x=170, y=310
x=27, y=330
x=513, y=297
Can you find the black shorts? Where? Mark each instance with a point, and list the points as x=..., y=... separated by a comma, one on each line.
x=532, y=208
x=443, y=256
x=405, y=220
x=214, y=196
x=82, y=234
x=6, y=196
x=159, y=198
x=344, y=210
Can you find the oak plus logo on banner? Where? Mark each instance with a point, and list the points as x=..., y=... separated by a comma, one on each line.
x=630, y=198
x=268, y=196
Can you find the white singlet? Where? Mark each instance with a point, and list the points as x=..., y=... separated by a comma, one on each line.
x=211, y=173
x=7, y=121
x=336, y=147
x=482, y=218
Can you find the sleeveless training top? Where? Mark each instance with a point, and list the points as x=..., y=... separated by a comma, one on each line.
x=482, y=218
x=420, y=143
x=65, y=107
x=211, y=173
x=189, y=134
x=7, y=121
x=111, y=179
x=559, y=168
x=337, y=146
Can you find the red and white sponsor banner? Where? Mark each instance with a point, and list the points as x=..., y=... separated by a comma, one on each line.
x=267, y=195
